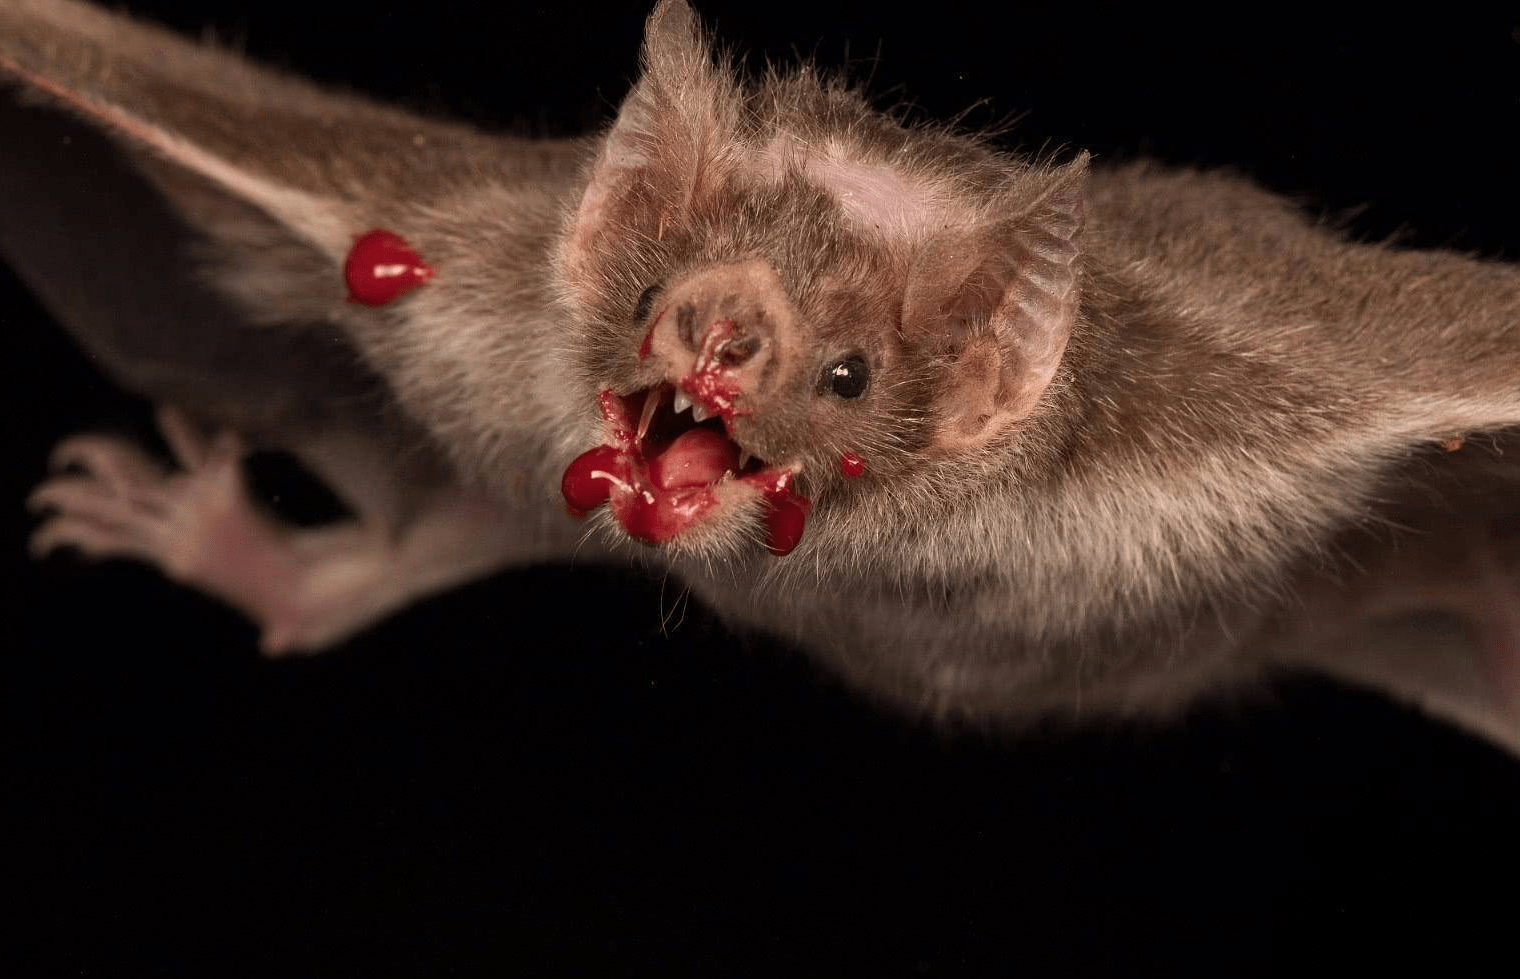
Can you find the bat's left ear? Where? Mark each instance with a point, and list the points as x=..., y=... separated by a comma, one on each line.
x=673, y=137
x=998, y=305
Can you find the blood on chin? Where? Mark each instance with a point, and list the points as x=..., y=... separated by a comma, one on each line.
x=660, y=480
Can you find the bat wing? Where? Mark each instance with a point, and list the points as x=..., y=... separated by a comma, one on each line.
x=107, y=254
x=186, y=214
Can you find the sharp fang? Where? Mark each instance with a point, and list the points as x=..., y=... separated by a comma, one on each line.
x=651, y=402
x=699, y=413
x=744, y=460
x=682, y=402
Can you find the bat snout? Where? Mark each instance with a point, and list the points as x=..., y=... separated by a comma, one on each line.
x=726, y=337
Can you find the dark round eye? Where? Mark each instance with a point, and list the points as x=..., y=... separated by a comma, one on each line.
x=848, y=377
x=646, y=299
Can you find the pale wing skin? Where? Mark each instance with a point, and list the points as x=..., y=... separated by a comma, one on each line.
x=186, y=214
x=115, y=265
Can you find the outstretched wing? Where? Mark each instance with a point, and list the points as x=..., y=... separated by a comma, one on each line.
x=172, y=204
x=113, y=262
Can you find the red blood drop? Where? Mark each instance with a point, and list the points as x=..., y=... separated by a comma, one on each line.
x=582, y=490
x=381, y=267
x=852, y=464
x=647, y=344
x=785, y=519
x=655, y=516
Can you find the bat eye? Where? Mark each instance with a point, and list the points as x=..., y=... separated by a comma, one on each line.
x=848, y=376
x=646, y=299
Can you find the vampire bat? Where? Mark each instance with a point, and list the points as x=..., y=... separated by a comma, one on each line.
x=996, y=437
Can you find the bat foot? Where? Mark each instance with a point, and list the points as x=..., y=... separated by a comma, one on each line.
x=195, y=521
x=306, y=588
x=108, y=498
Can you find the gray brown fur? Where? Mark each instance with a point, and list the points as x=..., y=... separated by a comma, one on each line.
x=1240, y=389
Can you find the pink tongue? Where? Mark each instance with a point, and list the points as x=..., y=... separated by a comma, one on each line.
x=656, y=498
x=698, y=457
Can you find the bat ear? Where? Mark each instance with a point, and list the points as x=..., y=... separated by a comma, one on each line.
x=670, y=138
x=998, y=305
x=277, y=174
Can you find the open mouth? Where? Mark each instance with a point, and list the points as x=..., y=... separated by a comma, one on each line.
x=665, y=469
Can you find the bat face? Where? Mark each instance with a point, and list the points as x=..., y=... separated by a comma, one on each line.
x=797, y=301
x=731, y=403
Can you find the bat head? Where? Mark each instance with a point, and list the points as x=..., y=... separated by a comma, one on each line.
x=787, y=297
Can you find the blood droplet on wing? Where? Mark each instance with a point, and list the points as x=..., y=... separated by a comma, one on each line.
x=382, y=267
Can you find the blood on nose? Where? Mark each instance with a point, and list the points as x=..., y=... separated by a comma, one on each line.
x=726, y=344
x=716, y=380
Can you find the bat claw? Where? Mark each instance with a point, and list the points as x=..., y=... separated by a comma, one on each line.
x=198, y=526
x=108, y=498
x=116, y=462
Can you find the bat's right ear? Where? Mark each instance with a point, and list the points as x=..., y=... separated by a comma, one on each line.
x=278, y=174
x=997, y=305
x=673, y=138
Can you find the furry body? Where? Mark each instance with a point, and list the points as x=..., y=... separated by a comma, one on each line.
x=1137, y=518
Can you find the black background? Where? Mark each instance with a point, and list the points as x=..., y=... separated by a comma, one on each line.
x=527, y=776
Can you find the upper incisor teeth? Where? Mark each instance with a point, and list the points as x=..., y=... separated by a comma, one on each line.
x=699, y=413
x=682, y=401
